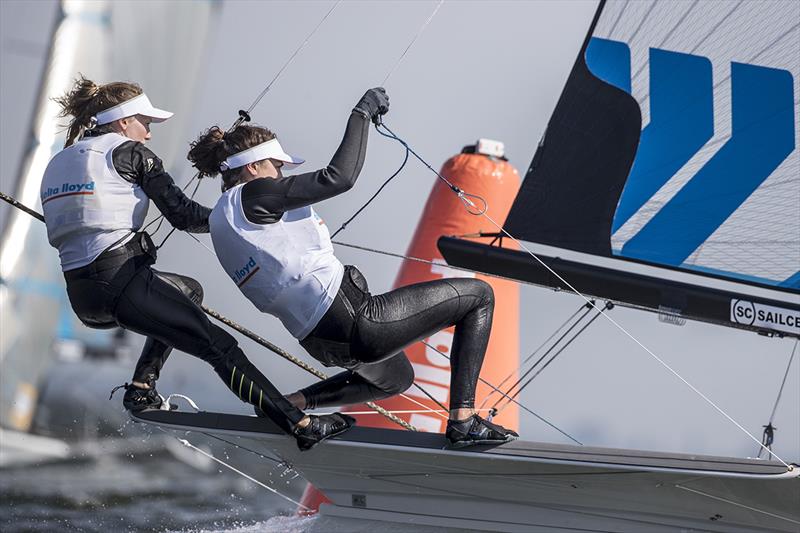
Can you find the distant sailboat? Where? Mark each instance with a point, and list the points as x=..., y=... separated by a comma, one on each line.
x=34, y=312
x=667, y=181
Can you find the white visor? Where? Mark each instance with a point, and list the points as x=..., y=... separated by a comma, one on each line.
x=139, y=105
x=269, y=150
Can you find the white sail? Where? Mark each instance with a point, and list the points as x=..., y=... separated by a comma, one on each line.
x=103, y=41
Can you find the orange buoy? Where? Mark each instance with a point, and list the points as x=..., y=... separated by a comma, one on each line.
x=480, y=170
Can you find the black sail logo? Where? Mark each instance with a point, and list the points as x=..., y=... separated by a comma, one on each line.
x=765, y=316
x=743, y=312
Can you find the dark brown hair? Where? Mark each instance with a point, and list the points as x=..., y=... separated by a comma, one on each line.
x=86, y=99
x=214, y=146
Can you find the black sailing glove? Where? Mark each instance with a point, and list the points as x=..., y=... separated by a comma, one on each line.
x=373, y=104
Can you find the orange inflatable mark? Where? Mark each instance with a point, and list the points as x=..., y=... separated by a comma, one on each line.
x=496, y=181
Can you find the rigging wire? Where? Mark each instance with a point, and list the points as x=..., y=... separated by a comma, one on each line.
x=291, y=58
x=378, y=121
x=419, y=32
x=737, y=504
x=232, y=468
x=618, y=303
x=465, y=198
x=244, y=116
x=767, y=438
x=561, y=350
x=244, y=331
x=542, y=345
x=521, y=406
x=552, y=347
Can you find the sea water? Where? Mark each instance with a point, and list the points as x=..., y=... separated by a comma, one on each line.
x=158, y=491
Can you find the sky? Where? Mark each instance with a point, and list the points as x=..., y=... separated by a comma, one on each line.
x=480, y=69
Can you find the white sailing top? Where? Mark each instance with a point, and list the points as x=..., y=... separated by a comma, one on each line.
x=286, y=268
x=87, y=205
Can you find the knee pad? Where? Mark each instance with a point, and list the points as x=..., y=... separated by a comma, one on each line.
x=192, y=289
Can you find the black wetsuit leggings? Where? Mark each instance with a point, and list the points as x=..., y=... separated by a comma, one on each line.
x=366, y=334
x=120, y=289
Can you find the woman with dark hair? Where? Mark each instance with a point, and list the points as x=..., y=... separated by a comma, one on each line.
x=276, y=249
x=95, y=194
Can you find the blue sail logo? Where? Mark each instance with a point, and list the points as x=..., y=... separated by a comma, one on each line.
x=682, y=123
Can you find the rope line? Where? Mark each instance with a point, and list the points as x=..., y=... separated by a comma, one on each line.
x=244, y=331
x=291, y=358
x=380, y=189
x=522, y=246
x=305, y=366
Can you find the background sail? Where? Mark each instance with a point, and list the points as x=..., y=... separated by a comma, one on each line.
x=685, y=155
x=102, y=41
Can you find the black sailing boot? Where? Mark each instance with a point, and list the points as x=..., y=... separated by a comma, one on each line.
x=476, y=430
x=320, y=427
x=137, y=399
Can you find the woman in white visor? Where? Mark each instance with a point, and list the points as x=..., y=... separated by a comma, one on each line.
x=276, y=249
x=95, y=195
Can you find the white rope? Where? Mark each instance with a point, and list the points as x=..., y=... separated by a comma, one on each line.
x=422, y=29
x=166, y=404
x=701, y=493
x=427, y=408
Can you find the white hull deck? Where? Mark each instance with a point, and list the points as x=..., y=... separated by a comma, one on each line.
x=399, y=476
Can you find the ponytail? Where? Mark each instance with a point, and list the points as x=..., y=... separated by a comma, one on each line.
x=87, y=98
x=214, y=146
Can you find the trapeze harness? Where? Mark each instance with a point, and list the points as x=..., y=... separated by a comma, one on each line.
x=95, y=196
x=278, y=252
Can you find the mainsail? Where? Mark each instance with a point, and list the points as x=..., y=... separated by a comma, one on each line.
x=669, y=174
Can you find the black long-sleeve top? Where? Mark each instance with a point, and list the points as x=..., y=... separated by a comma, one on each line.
x=265, y=200
x=138, y=164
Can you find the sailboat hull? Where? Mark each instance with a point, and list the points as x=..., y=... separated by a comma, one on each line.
x=399, y=476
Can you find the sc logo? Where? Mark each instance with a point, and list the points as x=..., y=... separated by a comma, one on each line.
x=744, y=312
